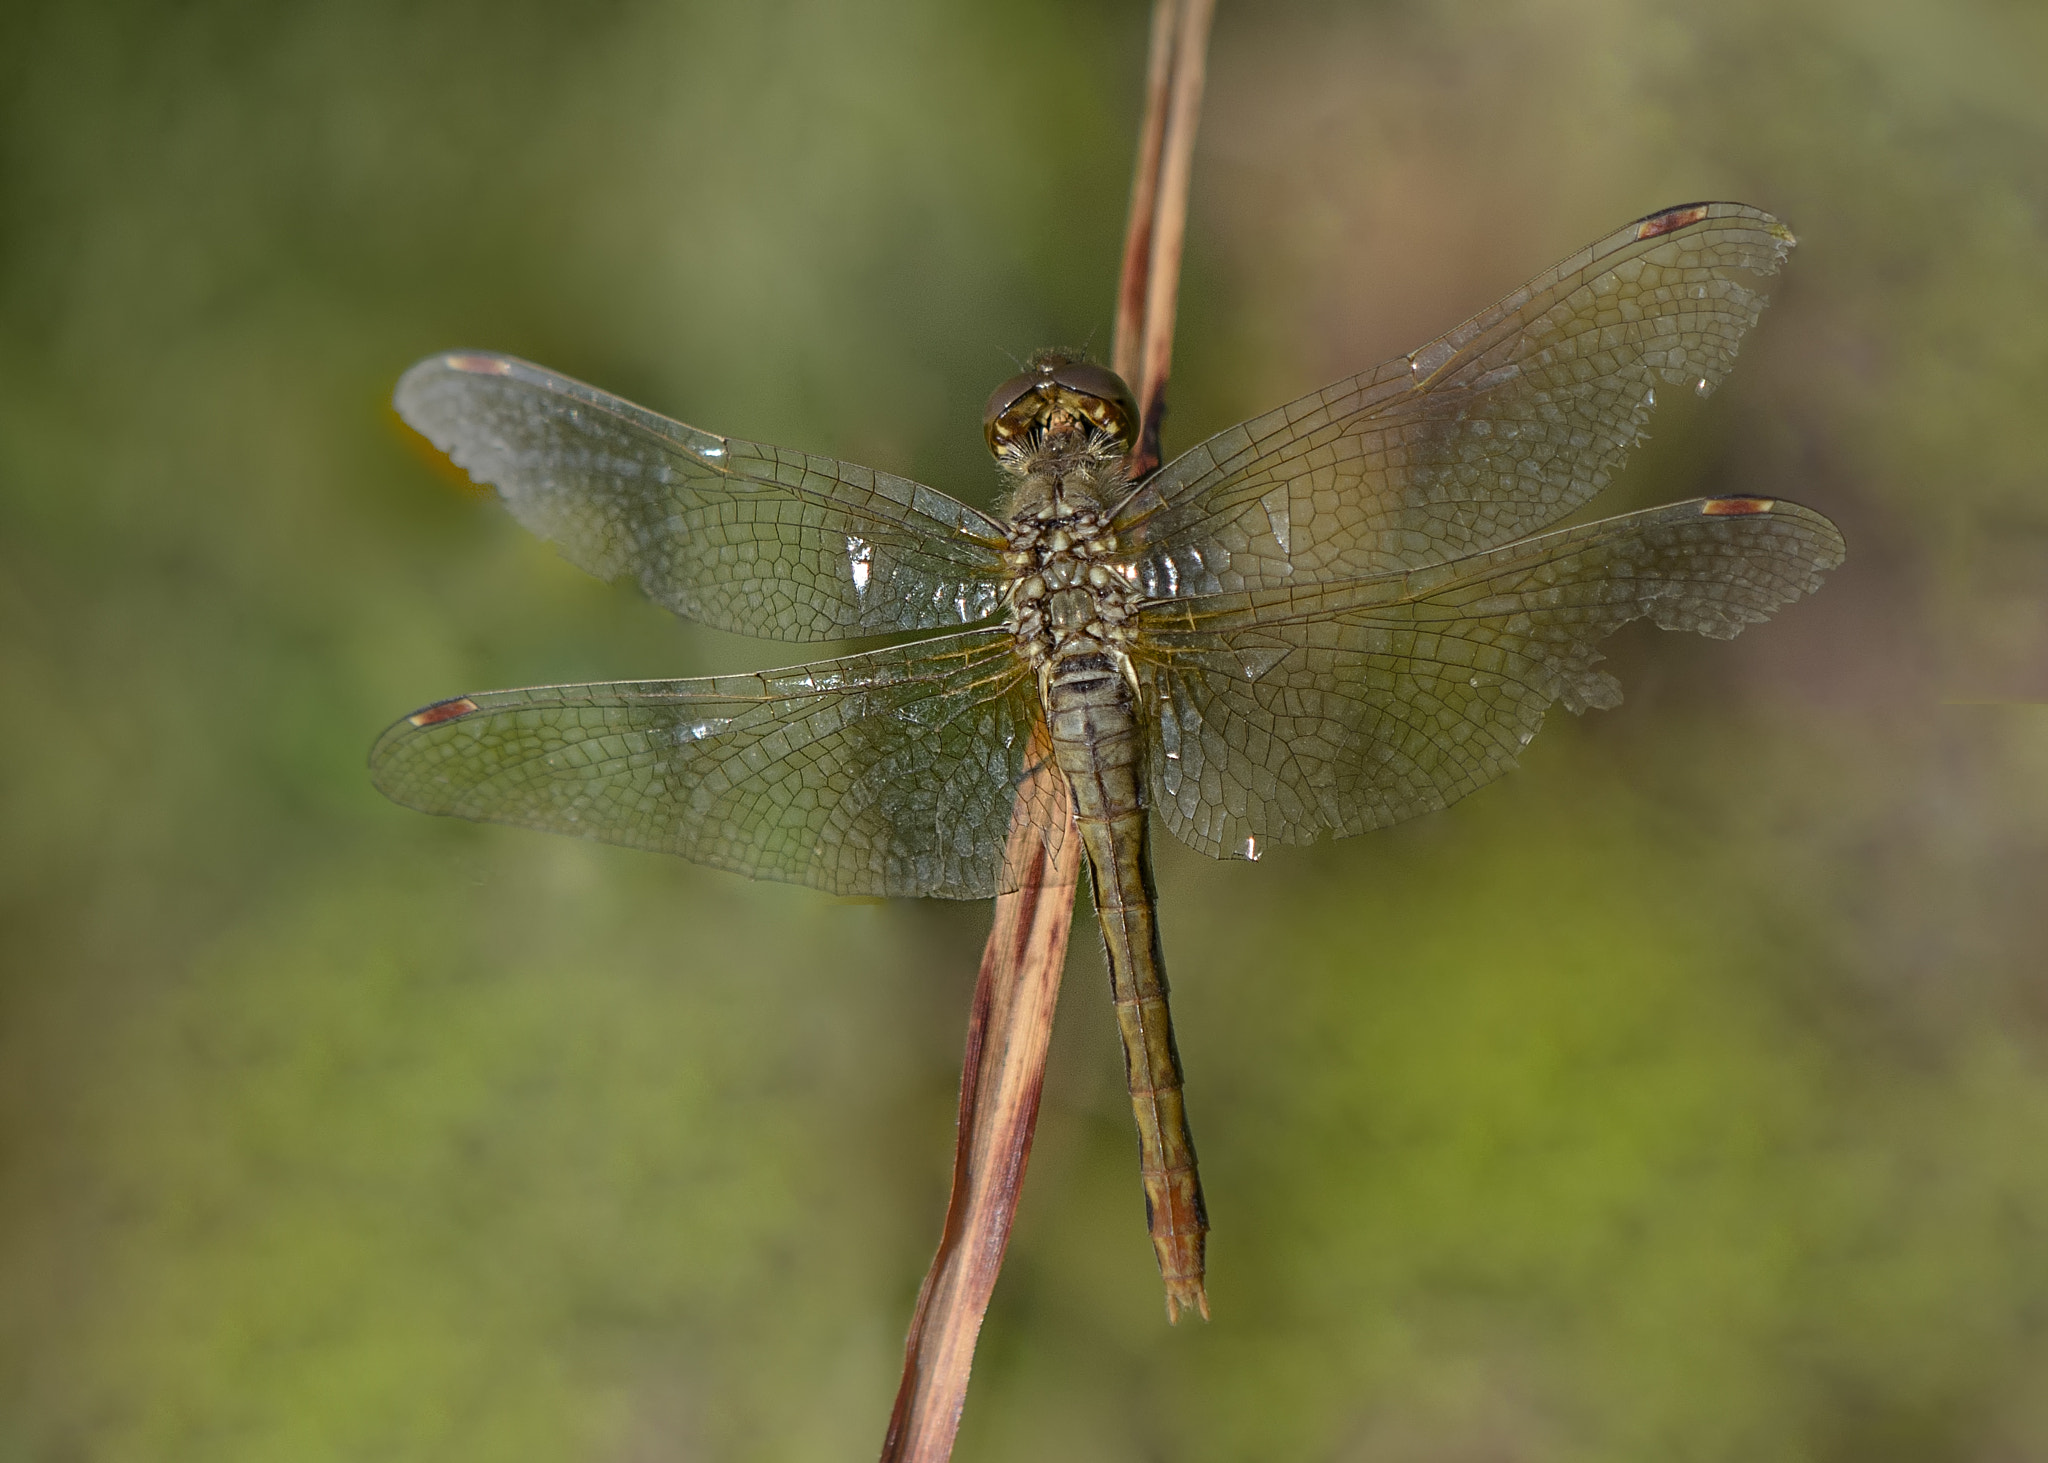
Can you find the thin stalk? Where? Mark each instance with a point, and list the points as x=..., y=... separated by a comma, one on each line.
x=1007, y=1033
x=1131, y=291
x=1010, y=1026
x=1169, y=225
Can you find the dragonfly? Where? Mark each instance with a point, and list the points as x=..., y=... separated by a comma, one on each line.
x=1349, y=611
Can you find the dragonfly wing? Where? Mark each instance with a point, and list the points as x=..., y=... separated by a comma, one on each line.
x=1285, y=715
x=889, y=773
x=1488, y=433
x=759, y=540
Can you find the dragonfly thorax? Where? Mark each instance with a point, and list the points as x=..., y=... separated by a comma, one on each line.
x=1072, y=595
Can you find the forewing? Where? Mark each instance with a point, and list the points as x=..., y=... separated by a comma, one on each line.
x=1488, y=433
x=887, y=773
x=759, y=540
x=1284, y=715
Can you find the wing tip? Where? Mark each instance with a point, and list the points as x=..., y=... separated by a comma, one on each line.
x=1830, y=548
x=460, y=362
x=1686, y=215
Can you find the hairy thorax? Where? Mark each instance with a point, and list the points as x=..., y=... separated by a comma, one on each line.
x=1071, y=595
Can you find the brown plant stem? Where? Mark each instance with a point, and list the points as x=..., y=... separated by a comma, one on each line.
x=1007, y=1033
x=1188, y=63
x=1010, y=1025
x=1131, y=291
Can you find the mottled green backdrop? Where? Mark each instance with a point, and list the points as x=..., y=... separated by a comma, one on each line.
x=1683, y=1096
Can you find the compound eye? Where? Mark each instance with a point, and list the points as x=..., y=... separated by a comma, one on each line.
x=1100, y=395
x=1012, y=409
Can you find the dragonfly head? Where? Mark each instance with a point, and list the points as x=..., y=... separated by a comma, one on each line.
x=1057, y=396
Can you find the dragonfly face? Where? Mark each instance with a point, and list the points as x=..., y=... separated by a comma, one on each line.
x=1327, y=619
x=1059, y=394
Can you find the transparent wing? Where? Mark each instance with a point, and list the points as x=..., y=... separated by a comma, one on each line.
x=759, y=540
x=1283, y=715
x=887, y=773
x=1488, y=433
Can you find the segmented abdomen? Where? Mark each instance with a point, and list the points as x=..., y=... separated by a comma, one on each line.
x=1096, y=742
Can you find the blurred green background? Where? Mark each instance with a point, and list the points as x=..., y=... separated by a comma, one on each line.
x=1682, y=1096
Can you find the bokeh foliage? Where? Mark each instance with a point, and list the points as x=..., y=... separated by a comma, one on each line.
x=1683, y=1096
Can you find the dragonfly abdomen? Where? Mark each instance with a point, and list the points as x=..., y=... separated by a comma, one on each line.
x=1096, y=741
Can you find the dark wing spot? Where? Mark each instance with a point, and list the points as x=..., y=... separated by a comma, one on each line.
x=442, y=711
x=1737, y=507
x=1671, y=220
